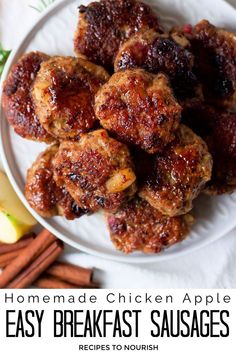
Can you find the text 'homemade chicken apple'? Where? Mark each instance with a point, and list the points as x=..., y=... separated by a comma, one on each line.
x=135, y=121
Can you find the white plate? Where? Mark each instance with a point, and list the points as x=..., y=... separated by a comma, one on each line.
x=53, y=34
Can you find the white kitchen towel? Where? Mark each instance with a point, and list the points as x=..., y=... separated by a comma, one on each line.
x=211, y=267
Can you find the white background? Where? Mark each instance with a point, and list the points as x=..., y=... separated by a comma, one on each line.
x=166, y=345
x=211, y=267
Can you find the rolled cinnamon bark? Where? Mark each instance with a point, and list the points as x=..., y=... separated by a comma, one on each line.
x=6, y=248
x=73, y=274
x=49, y=282
x=38, y=266
x=26, y=257
x=7, y=258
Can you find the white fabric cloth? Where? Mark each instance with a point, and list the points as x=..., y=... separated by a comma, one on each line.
x=212, y=267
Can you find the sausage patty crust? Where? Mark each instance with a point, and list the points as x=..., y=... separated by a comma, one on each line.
x=63, y=95
x=42, y=193
x=167, y=53
x=218, y=129
x=104, y=25
x=179, y=174
x=215, y=60
x=17, y=101
x=97, y=171
x=139, y=108
x=139, y=227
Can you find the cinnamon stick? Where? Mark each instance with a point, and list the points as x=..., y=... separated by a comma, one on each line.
x=49, y=282
x=6, y=258
x=6, y=248
x=73, y=274
x=30, y=253
x=39, y=265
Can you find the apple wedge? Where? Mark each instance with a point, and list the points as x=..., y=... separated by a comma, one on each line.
x=15, y=220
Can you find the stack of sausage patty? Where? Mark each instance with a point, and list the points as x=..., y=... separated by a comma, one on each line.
x=139, y=122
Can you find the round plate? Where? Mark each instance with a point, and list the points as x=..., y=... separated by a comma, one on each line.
x=53, y=34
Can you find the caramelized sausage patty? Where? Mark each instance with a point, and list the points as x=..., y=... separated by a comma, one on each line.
x=17, y=101
x=63, y=95
x=179, y=174
x=218, y=128
x=97, y=171
x=104, y=25
x=42, y=193
x=139, y=108
x=215, y=60
x=165, y=53
x=139, y=227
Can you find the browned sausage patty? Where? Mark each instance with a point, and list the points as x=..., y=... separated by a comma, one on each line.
x=42, y=193
x=97, y=171
x=218, y=129
x=104, y=25
x=215, y=60
x=139, y=108
x=63, y=95
x=16, y=98
x=165, y=53
x=139, y=227
x=179, y=174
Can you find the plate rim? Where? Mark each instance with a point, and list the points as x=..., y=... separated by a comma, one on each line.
x=43, y=222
